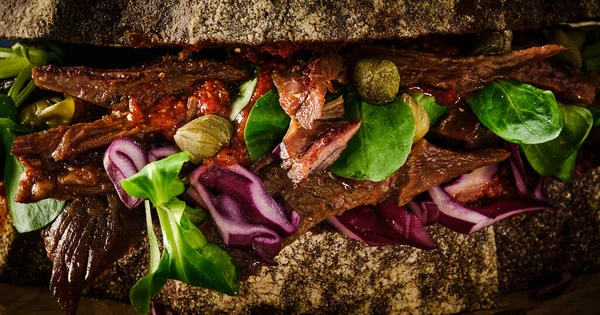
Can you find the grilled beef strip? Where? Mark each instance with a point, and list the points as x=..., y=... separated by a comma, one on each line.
x=462, y=128
x=62, y=181
x=456, y=75
x=308, y=150
x=568, y=84
x=429, y=165
x=323, y=194
x=69, y=142
x=114, y=88
x=87, y=237
x=46, y=154
x=302, y=94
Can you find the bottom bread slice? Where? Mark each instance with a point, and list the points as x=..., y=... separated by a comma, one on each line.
x=325, y=272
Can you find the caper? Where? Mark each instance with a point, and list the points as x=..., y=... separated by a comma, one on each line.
x=492, y=43
x=376, y=80
x=572, y=56
x=420, y=116
x=48, y=113
x=204, y=136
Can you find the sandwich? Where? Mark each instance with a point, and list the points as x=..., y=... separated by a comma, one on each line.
x=245, y=154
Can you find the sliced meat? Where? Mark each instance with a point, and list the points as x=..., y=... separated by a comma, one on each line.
x=568, y=84
x=63, y=181
x=112, y=88
x=322, y=71
x=68, y=142
x=452, y=73
x=429, y=165
x=323, y=194
x=291, y=87
x=307, y=150
x=333, y=109
x=165, y=117
x=303, y=94
x=462, y=128
x=87, y=237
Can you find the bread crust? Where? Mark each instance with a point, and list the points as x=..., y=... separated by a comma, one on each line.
x=233, y=22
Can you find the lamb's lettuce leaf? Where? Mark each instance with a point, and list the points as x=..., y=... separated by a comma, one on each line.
x=565, y=172
x=187, y=256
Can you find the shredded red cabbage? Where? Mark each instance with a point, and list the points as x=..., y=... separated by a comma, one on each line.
x=161, y=153
x=245, y=214
x=247, y=189
x=464, y=220
x=518, y=169
x=122, y=159
x=426, y=211
x=234, y=228
x=384, y=224
x=540, y=192
x=469, y=186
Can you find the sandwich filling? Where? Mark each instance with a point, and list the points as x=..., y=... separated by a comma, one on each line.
x=237, y=158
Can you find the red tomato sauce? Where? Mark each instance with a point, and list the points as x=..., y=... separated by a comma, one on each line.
x=237, y=152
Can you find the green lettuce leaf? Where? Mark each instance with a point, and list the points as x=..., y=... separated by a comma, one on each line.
x=546, y=158
x=517, y=112
x=381, y=145
x=158, y=181
x=266, y=125
x=187, y=256
x=435, y=111
x=26, y=217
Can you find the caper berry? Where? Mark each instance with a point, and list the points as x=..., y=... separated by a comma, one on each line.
x=376, y=80
x=204, y=136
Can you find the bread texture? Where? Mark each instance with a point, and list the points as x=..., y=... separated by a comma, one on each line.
x=235, y=22
x=328, y=272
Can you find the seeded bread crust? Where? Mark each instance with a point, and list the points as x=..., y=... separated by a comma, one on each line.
x=169, y=22
x=326, y=272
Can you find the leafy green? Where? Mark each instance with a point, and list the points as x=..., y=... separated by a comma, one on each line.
x=158, y=181
x=546, y=158
x=19, y=61
x=517, y=112
x=243, y=97
x=435, y=111
x=565, y=172
x=7, y=107
x=151, y=284
x=187, y=256
x=591, y=56
x=11, y=125
x=31, y=216
x=596, y=114
x=196, y=215
x=266, y=125
x=381, y=145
